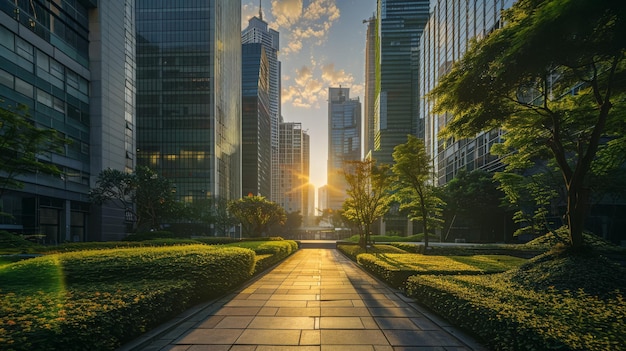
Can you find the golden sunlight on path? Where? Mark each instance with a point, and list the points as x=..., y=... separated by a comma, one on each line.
x=315, y=300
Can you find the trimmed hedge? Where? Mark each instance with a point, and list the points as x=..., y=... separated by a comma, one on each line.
x=510, y=317
x=268, y=252
x=396, y=268
x=99, y=299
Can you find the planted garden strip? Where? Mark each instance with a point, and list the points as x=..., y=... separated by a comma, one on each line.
x=509, y=316
x=99, y=299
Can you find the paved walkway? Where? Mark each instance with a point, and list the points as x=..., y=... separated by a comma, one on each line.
x=315, y=300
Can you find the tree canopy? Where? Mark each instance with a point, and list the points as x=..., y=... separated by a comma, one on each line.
x=412, y=185
x=23, y=148
x=554, y=79
x=368, y=195
x=152, y=194
x=256, y=214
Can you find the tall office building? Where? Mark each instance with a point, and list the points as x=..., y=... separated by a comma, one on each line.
x=400, y=26
x=446, y=38
x=71, y=63
x=258, y=32
x=369, y=99
x=256, y=149
x=344, y=141
x=294, y=142
x=189, y=95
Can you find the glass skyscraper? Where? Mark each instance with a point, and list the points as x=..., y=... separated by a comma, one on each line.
x=344, y=141
x=72, y=65
x=256, y=147
x=189, y=95
x=446, y=38
x=294, y=176
x=259, y=33
x=400, y=26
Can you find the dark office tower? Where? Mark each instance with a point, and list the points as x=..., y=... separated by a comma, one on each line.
x=369, y=100
x=258, y=32
x=344, y=141
x=446, y=37
x=400, y=26
x=71, y=64
x=189, y=95
x=256, y=150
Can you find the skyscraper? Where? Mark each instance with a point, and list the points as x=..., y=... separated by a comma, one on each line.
x=400, y=26
x=189, y=95
x=71, y=63
x=294, y=143
x=344, y=141
x=446, y=38
x=256, y=149
x=369, y=99
x=258, y=32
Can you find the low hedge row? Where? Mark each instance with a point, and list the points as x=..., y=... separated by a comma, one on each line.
x=512, y=317
x=396, y=268
x=268, y=252
x=102, y=298
x=353, y=250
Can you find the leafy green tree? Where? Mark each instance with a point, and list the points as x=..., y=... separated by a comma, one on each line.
x=152, y=195
x=257, y=214
x=223, y=219
x=23, y=148
x=368, y=195
x=553, y=78
x=412, y=184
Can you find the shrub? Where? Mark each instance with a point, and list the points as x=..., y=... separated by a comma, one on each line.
x=268, y=252
x=98, y=299
x=14, y=243
x=353, y=250
x=161, y=234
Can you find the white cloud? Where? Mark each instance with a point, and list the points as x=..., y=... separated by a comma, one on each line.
x=303, y=25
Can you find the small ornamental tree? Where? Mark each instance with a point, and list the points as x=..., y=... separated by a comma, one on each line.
x=256, y=214
x=412, y=185
x=368, y=195
x=147, y=195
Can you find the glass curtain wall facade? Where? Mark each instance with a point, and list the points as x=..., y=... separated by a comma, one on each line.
x=258, y=32
x=256, y=126
x=370, y=86
x=52, y=63
x=400, y=26
x=344, y=141
x=452, y=26
x=293, y=180
x=189, y=95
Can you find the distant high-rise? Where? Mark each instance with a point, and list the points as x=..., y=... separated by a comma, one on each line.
x=189, y=95
x=369, y=99
x=258, y=32
x=344, y=141
x=256, y=149
x=294, y=142
x=461, y=22
x=71, y=64
x=400, y=26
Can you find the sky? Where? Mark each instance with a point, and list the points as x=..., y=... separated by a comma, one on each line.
x=322, y=45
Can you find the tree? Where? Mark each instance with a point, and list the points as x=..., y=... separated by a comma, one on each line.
x=412, y=188
x=257, y=214
x=152, y=194
x=224, y=220
x=23, y=148
x=554, y=79
x=368, y=195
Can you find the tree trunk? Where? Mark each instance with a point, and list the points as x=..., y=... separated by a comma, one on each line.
x=425, y=220
x=577, y=200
